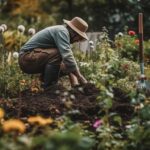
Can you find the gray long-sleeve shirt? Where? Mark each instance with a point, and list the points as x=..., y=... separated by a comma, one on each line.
x=54, y=37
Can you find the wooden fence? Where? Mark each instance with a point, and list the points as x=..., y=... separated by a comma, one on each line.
x=85, y=46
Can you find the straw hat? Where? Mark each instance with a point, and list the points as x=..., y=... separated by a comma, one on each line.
x=78, y=25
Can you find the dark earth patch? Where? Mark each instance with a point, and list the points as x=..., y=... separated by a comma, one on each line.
x=79, y=103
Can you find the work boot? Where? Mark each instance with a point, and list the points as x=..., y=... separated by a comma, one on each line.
x=51, y=75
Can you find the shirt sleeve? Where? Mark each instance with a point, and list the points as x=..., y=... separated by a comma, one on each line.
x=62, y=40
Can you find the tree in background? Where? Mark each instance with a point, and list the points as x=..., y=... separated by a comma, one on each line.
x=114, y=14
x=28, y=12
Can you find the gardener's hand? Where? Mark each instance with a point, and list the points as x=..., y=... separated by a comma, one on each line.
x=82, y=80
x=73, y=80
x=79, y=76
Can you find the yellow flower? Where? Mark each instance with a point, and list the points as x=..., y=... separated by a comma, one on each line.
x=34, y=89
x=14, y=125
x=40, y=120
x=60, y=123
x=22, y=82
x=2, y=113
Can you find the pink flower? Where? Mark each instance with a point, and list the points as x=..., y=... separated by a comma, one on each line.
x=137, y=41
x=97, y=123
x=132, y=33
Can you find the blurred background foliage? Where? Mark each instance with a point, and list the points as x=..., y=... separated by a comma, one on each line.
x=114, y=14
x=112, y=65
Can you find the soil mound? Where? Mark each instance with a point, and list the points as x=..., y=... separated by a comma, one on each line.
x=79, y=102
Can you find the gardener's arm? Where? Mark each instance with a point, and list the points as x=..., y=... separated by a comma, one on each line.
x=73, y=76
x=63, y=43
x=80, y=77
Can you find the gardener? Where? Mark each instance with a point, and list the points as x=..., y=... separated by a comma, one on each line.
x=49, y=53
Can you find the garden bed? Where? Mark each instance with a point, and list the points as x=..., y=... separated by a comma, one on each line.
x=79, y=103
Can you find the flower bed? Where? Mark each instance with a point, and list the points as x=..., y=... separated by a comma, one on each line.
x=110, y=112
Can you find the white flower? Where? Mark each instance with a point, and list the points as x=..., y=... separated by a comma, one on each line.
x=91, y=47
x=80, y=89
x=110, y=94
x=141, y=105
x=21, y=28
x=72, y=96
x=101, y=37
x=2, y=29
x=57, y=92
x=120, y=34
x=84, y=64
x=15, y=54
x=128, y=126
x=31, y=31
x=65, y=94
x=91, y=42
x=115, y=18
x=4, y=26
x=63, y=99
x=74, y=112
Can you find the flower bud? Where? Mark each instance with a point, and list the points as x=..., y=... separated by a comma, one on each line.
x=72, y=96
x=120, y=34
x=4, y=26
x=91, y=42
x=15, y=54
x=21, y=28
x=65, y=94
x=31, y=31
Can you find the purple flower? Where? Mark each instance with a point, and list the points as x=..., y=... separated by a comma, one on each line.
x=97, y=123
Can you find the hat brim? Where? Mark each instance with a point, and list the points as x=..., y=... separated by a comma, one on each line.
x=82, y=34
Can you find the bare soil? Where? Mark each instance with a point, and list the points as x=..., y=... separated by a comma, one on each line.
x=80, y=103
